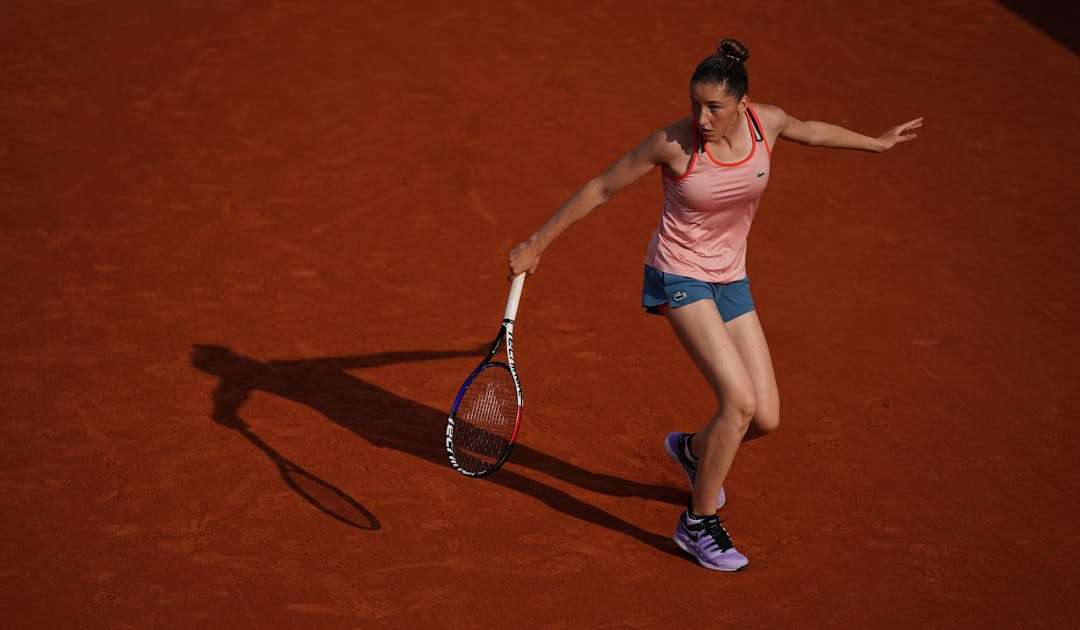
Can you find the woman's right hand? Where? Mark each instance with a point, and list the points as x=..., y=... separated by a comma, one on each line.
x=523, y=259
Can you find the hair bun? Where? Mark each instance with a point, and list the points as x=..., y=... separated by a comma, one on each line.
x=733, y=48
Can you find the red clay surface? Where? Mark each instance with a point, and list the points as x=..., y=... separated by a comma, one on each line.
x=249, y=252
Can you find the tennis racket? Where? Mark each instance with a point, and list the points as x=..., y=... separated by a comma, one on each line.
x=486, y=415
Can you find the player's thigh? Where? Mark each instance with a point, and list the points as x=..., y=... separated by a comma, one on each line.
x=748, y=337
x=706, y=339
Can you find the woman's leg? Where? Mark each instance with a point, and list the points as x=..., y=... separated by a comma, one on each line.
x=707, y=340
x=746, y=333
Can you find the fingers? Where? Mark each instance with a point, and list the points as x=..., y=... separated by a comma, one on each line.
x=907, y=134
x=521, y=262
x=513, y=273
x=903, y=128
x=523, y=259
x=911, y=124
x=904, y=132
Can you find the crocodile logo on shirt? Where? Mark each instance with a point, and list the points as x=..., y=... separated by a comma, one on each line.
x=761, y=174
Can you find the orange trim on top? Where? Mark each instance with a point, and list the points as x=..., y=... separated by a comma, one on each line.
x=693, y=156
x=753, y=145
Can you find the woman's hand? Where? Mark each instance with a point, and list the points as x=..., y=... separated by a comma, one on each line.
x=900, y=133
x=523, y=259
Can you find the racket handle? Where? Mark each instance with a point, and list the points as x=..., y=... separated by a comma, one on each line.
x=515, y=297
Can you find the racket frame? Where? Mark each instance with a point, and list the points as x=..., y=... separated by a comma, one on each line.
x=505, y=337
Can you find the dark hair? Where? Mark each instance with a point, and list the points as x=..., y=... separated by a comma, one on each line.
x=726, y=68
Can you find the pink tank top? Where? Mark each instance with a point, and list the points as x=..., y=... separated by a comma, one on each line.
x=708, y=211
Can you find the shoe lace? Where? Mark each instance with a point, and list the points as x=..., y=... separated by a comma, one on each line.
x=714, y=527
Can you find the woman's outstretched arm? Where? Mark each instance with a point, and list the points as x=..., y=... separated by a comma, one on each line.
x=628, y=169
x=822, y=134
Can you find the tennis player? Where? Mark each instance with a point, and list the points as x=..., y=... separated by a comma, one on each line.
x=715, y=165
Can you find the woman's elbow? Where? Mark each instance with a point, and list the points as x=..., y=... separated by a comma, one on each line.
x=598, y=192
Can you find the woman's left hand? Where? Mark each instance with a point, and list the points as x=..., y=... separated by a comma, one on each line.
x=903, y=132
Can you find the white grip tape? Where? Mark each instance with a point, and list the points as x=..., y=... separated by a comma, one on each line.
x=515, y=297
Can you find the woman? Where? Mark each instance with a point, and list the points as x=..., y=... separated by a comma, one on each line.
x=715, y=166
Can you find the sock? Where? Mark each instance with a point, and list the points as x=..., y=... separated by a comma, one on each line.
x=692, y=518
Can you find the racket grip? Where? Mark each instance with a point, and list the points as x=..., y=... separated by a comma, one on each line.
x=515, y=297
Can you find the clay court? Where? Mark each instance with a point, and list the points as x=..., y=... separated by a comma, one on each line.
x=251, y=249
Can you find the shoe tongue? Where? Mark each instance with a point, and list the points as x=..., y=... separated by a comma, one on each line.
x=695, y=518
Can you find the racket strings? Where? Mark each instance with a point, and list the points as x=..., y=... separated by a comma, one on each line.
x=486, y=419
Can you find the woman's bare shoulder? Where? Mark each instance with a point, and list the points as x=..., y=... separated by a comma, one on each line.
x=675, y=139
x=770, y=115
x=671, y=146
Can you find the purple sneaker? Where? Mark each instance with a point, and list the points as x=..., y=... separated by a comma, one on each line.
x=675, y=445
x=706, y=539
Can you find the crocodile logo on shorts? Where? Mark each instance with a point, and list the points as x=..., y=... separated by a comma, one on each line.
x=679, y=296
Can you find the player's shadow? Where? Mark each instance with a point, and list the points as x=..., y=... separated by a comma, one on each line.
x=389, y=420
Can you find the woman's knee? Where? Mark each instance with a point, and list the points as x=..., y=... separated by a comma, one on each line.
x=765, y=422
x=738, y=410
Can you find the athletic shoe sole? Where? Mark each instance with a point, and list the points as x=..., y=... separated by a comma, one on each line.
x=685, y=546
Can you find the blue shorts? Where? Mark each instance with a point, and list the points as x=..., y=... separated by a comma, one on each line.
x=663, y=290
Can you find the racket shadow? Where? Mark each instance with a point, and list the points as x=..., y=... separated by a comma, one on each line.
x=387, y=420
x=327, y=498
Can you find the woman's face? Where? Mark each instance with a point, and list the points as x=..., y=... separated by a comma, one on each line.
x=714, y=111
